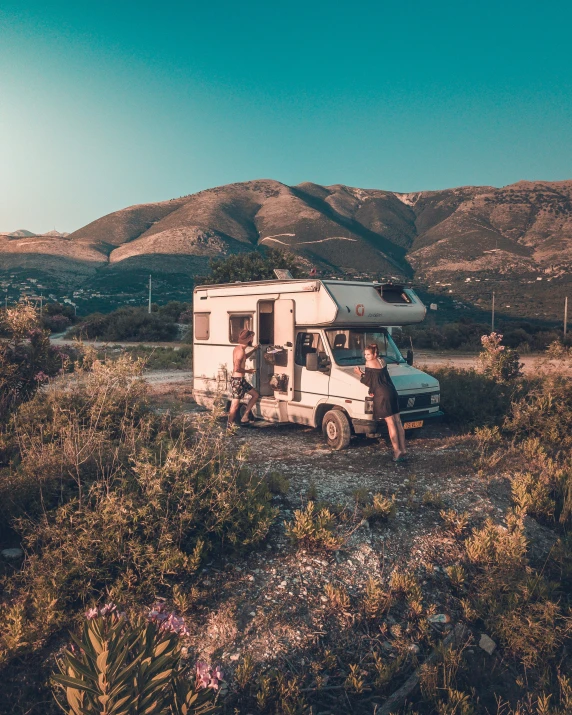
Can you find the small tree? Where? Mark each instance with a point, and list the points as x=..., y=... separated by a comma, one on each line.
x=498, y=361
x=252, y=266
x=26, y=357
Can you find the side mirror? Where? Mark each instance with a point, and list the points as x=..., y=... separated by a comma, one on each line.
x=312, y=362
x=324, y=362
x=409, y=358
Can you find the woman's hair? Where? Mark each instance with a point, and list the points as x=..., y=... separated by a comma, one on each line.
x=373, y=348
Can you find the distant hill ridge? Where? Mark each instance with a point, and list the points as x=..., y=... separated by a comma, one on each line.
x=522, y=227
x=23, y=233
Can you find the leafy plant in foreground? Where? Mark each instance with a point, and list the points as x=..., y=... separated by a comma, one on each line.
x=118, y=667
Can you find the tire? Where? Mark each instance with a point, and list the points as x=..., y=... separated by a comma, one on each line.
x=336, y=429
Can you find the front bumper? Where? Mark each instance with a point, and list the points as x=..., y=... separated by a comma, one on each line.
x=372, y=427
x=422, y=415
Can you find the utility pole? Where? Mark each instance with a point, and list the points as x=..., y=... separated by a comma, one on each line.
x=149, y=293
x=493, y=315
x=565, y=316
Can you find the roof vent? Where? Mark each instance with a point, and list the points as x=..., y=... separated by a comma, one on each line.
x=283, y=274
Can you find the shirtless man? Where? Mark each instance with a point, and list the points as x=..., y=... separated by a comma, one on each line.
x=239, y=387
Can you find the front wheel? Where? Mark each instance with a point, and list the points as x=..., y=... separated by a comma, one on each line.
x=336, y=429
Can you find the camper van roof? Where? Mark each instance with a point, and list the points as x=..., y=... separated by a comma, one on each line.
x=275, y=282
x=333, y=302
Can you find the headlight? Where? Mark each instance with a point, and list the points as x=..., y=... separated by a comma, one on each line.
x=435, y=398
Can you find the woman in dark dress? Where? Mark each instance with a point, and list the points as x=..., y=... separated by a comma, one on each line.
x=385, y=399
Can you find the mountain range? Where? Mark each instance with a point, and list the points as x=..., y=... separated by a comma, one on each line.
x=463, y=235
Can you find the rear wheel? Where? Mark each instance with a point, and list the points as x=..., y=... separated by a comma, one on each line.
x=336, y=429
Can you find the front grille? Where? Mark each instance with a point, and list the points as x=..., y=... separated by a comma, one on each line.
x=415, y=402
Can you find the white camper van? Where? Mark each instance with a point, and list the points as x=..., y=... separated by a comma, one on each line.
x=312, y=333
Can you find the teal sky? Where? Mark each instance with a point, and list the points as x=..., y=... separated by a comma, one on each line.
x=116, y=103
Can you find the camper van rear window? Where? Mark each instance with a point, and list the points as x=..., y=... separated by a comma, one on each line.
x=236, y=323
x=202, y=326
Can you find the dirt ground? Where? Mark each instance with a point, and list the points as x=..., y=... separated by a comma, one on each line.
x=272, y=604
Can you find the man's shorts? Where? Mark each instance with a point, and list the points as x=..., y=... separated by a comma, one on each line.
x=239, y=387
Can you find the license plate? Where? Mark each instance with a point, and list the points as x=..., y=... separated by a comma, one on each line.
x=413, y=425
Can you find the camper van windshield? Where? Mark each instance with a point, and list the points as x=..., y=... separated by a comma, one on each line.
x=348, y=345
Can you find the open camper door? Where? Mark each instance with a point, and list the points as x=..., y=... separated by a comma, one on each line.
x=284, y=336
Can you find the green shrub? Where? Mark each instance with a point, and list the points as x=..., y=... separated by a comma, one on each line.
x=27, y=360
x=131, y=324
x=466, y=334
x=513, y=600
x=498, y=361
x=161, y=358
x=472, y=399
x=130, y=502
x=544, y=412
x=313, y=528
x=277, y=483
x=251, y=266
x=382, y=508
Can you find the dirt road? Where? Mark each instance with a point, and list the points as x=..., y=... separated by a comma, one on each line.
x=464, y=360
x=422, y=360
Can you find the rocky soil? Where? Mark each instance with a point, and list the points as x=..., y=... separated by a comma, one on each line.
x=273, y=605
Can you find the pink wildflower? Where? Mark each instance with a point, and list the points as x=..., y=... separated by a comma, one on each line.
x=108, y=608
x=216, y=677
x=208, y=677
x=203, y=675
x=91, y=613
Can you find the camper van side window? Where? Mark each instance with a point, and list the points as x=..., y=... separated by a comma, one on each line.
x=236, y=323
x=308, y=343
x=202, y=326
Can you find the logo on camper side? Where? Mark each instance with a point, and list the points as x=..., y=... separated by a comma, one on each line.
x=360, y=309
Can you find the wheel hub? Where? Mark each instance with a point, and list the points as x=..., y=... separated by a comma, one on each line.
x=331, y=430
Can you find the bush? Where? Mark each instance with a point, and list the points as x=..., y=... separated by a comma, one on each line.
x=56, y=323
x=471, y=399
x=498, y=361
x=545, y=412
x=132, y=324
x=313, y=528
x=27, y=360
x=512, y=600
x=463, y=335
x=466, y=335
x=113, y=499
x=159, y=357
x=56, y=317
x=252, y=266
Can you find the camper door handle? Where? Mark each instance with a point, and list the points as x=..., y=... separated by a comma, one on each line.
x=288, y=345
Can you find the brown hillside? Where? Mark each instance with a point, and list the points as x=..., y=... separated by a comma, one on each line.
x=521, y=232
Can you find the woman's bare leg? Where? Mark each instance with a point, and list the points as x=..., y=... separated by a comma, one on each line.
x=400, y=434
x=393, y=435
